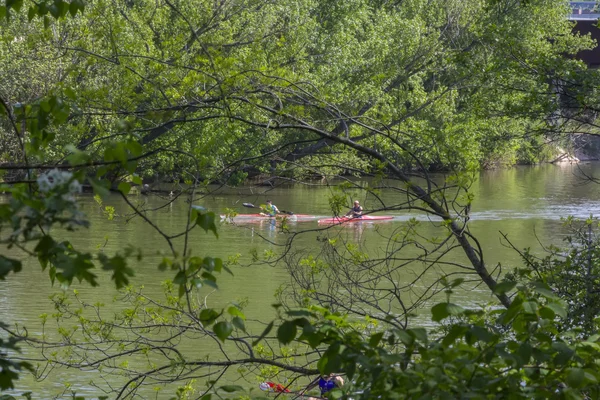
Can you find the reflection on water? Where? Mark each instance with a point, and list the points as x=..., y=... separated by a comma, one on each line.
x=524, y=203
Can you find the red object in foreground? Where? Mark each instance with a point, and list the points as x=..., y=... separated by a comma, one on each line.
x=273, y=387
x=364, y=218
x=259, y=217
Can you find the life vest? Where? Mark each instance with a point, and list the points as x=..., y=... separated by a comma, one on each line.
x=270, y=209
x=356, y=212
x=326, y=385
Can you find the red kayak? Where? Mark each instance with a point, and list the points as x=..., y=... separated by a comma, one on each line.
x=364, y=218
x=248, y=218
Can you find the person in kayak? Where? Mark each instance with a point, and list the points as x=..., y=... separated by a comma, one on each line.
x=356, y=211
x=326, y=384
x=270, y=209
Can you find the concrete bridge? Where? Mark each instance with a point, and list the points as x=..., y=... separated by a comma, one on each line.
x=586, y=15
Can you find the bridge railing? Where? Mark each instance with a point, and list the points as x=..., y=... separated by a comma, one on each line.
x=584, y=10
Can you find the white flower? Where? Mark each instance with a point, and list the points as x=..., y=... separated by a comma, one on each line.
x=44, y=183
x=54, y=178
x=74, y=186
x=59, y=177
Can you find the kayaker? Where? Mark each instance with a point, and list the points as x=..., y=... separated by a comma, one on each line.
x=326, y=384
x=273, y=387
x=270, y=209
x=356, y=211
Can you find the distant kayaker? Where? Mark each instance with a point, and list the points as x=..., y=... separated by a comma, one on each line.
x=356, y=211
x=270, y=209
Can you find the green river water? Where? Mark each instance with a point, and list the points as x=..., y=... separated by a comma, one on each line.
x=524, y=202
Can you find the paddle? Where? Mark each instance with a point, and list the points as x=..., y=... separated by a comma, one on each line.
x=250, y=205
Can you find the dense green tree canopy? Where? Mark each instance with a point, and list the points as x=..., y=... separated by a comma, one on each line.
x=449, y=83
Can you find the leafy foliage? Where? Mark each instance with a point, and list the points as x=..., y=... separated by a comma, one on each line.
x=570, y=273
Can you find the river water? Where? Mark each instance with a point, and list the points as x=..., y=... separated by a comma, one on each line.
x=526, y=203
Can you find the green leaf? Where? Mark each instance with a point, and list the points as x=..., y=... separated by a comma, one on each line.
x=515, y=307
x=405, y=337
x=45, y=105
x=31, y=13
x=333, y=364
x=54, y=11
x=208, y=316
x=207, y=222
x=209, y=277
x=420, y=334
x=264, y=333
x=235, y=312
x=444, y=310
x=100, y=187
x=69, y=92
x=118, y=265
x=14, y=4
x=530, y=307
x=558, y=309
x=482, y=334
x=286, y=332
x=545, y=290
x=180, y=278
x=547, y=313
x=197, y=282
x=231, y=388
x=223, y=329
x=439, y=312
x=73, y=7
x=76, y=156
x=211, y=283
x=136, y=179
x=454, y=309
x=564, y=353
x=124, y=188
x=456, y=331
x=239, y=323
x=375, y=339
x=8, y=265
x=229, y=271
x=575, y=377
x=457, y=282
x=505, y=286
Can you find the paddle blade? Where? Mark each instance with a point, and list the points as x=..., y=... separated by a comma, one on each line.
x=249, y=205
